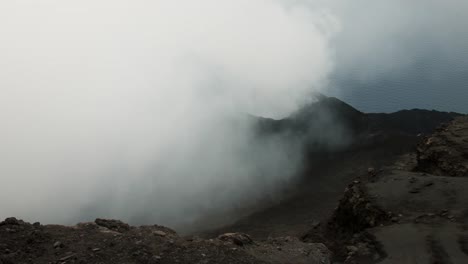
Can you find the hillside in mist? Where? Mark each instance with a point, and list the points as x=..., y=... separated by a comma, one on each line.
x=299, y=222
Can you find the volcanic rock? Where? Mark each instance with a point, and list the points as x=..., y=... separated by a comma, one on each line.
x=114, y=225
x=446, y=152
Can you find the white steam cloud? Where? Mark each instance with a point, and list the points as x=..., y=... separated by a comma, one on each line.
x=134, y=109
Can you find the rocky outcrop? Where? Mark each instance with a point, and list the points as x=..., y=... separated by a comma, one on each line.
x=446, y=151
x=411, y=212
x=114, y=225
x=238, y=239
x=356, y=211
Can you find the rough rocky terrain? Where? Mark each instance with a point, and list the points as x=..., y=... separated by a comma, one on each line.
x=111, y=241
x=445, y=152
x=427, y=200
x=414, y=211
x=404, y=201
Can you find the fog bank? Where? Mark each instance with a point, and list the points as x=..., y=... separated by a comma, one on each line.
x=137, y=110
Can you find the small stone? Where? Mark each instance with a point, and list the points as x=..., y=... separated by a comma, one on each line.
x=160, y=233
x=315, y=224
x=238, y=239
x=444, y=213
x=67, y=257
x=352, y=248
x=58, y=244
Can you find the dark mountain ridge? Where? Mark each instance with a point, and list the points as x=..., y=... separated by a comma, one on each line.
x=331, y=108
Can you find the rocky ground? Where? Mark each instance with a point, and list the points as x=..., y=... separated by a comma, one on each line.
x=404, y=202
x=111, y=241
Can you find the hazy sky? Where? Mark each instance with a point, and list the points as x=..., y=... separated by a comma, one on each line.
x=131, y=109
x=412, y=53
